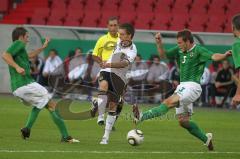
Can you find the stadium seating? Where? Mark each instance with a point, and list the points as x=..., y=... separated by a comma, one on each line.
x=197, y=15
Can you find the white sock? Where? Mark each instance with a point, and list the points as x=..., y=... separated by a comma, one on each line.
x=102, y=102
x=109, y=124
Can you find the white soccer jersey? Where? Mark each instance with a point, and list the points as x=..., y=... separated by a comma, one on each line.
x=119, y=54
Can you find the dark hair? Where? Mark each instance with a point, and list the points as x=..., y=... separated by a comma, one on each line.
x=129, y=28
x=236, y=22
x=139, y=55
x=78, y=48
x=185, y=35
x=154, y=56
x=54, y=50
x=113, y=18
x=17, y=32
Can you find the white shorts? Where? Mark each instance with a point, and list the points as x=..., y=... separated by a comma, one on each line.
x=189, y=92
x=33, y=94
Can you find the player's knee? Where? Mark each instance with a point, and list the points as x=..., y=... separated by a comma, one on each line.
x=112, y=113
x=168, y=102
x=51, y=105
x=103, y=85
x=183, y=122
x=112, y=106
x=119, y=107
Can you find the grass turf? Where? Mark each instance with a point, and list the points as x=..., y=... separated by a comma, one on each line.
x=163, y=137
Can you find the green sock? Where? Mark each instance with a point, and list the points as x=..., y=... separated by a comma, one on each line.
x=60, y=123
x=155, y=112
x=32, y=117
x=196, y=131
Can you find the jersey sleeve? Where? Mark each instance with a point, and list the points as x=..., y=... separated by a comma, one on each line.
x=205, y=54
x=98, y=48
x=172, y=53
x=236, y=54
x=15, y=47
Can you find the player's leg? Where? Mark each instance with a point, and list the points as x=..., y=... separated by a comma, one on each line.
x=162, y=109
x=116, y=88
x=184, y=116
x=118, y=111
x=59, y=122
x=110, y=120
x=28, y=95
x=102, y=100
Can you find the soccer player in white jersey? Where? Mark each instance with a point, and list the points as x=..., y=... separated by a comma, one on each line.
x=114, y=72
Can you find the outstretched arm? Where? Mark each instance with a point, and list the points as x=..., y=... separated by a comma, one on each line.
x=39, y=50
x=219, y=57
x=159, y=44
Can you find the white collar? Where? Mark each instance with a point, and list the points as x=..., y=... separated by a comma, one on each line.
x=192, y=48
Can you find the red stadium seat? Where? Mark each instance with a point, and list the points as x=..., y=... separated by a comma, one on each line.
x=110, y=5
x=198, y=22
x=179, y=22
x=181, y=6
x=216, y=24
x=163, y=7
x=58, y=13
x=106, y=15
x=75, y=4
x=127, y=6
x=4, y=6
x=128, y=17
x=91, y=19
x=38, y=20
x=218, y=7
x=54, y=21
x=75, y=14
x=59, y=4
x=92, y=5
x=144, y=6
x=71, y=22
x=162, y=22
x=199, y=7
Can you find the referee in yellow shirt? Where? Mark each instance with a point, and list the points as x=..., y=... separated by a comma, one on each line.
x=101, y=53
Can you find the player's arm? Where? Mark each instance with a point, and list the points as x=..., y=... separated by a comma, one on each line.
x=97, y=51
x=159, y=44
x=121, y=64
x=97, y=59
x=220, y=57
x=39, y=50
x=170, y=54
x=7, y=57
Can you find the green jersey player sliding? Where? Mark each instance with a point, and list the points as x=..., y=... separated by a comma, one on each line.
x=24, y=87
x=191, y=59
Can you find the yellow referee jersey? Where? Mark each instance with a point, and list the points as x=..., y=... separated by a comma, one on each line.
x=104, y=46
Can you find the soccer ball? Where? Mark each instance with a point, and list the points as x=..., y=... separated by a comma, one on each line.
x=135, y=137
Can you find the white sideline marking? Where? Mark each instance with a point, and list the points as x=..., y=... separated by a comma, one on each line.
x=115, y=152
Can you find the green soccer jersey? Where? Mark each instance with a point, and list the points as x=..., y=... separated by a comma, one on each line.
x=236, y=52
x=19, y=54
x=191, y=63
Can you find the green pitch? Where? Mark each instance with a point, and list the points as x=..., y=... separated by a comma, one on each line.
x=163, y=137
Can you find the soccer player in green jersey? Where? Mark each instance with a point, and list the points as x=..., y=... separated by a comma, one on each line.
x=191, y=59
x=236, y=55
x=24, y=87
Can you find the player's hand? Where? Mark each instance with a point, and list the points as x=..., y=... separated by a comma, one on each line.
x=45, y=44
x=106, y=65
x=236, y=100
x=20, y=70
x=228, y=53
x=158, y=38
